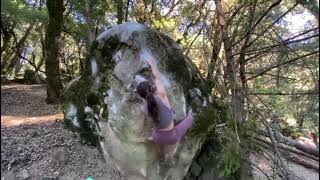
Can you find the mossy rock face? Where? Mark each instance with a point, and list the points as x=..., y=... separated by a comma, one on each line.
x=102, y=104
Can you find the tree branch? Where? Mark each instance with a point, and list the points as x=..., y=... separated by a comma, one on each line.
x=285, y=147
x=278, y=19
x=282, y=43
x=284, y=77
x=172, y=7
x=283, y=93
x=285, y=42
x=33, y=65
x=259, y=20
x=281, y=64
x=274, y=141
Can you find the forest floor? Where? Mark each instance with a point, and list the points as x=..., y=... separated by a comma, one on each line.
x=35, y=144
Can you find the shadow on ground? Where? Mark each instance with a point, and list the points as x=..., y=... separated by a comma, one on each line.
x=47, y=150
x=25, y=100
x=35, y=145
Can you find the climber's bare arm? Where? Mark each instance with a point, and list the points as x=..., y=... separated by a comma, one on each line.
x=161, y=92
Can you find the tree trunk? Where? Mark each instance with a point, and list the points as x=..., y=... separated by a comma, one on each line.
x=298, y=145
x=262, y=139
x=302, y=161
x=291, y=154
x=90, y=24
x=6, y=34
x=231, y=69
x=18, y=63
x=81, y=64
x=43, y=47
x=127, y=11
x=215, y=55
x=279, y=68
x=54, y=28
x=119, y=5
x=300, y=123
x=237, y=100
x=18, y=49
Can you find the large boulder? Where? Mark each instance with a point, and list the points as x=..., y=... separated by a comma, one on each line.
x=103, y=107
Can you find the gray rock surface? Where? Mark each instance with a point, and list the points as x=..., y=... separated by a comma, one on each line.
x=103, y=106
x=23, y=174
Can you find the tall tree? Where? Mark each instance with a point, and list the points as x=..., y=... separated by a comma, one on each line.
x=54, y=28
x=18, y=19
x=90, y=23
x=20, y=48
x=119, y=5
x=237, y=100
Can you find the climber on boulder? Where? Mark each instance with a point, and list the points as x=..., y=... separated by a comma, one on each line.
x=159, y=109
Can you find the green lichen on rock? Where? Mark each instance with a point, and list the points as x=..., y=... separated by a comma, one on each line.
x=86, y=92
x=209, y=117
x=206, y=121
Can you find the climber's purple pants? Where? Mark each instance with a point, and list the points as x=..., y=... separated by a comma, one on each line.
x=174, y=135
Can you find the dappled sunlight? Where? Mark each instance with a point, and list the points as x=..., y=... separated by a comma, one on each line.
x=25, y=88
x=291, y=121
x=25, y=104
x=26, y=101
x=8, y=121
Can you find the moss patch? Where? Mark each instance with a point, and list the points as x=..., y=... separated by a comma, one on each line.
x=81, y=95
x=204, y=121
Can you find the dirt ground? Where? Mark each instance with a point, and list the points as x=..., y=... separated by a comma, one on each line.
x=35, y=145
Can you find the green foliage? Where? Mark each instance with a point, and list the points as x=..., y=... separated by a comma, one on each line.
x=251, y=126
x=250, y=129
x=210, y=116
x=205, y=122
x=188, y=9
x=98, y=8
x=30, y=76
x=166, y=25
x=19, y=10
x=229, y=157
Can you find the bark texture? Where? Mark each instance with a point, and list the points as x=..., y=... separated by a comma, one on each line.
x=54, y=28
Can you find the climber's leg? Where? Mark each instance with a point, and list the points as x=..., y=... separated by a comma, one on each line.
x=165, y=137
x=183, y=126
